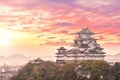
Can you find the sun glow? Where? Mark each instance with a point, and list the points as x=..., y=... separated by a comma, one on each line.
x=13, y=38
x=5, y=40
x=5, y=37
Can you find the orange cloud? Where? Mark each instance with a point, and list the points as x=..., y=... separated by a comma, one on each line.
x=52, y=22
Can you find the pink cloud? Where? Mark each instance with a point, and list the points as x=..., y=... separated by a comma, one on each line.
x=63, y=43
x=35, y=17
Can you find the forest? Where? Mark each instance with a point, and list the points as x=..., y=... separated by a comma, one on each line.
x=85, y=70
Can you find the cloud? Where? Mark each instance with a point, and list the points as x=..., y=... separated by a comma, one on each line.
x=63, y=43
x=38, y=36
x=48, y=23
x=44, y=17
x=64, y=32
x=63, y=24
x=94, y=3
x=111, y=47
x=51, y=37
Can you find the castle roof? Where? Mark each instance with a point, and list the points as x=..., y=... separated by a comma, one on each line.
x=36, y=61
x=85, y=31
x=61, y=48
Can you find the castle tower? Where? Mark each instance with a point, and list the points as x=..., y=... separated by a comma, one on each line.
x=85, y=47
x=60, y=55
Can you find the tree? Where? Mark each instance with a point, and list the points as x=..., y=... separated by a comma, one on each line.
x=97, y=69
x=101, y=69
x=47, y=70
x=115, y=71
x=43, y=71
x=67, y=72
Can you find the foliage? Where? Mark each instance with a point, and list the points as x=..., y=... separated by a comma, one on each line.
x=44, y=71
x=98, y=70
x=115, y=71
x=67, y=72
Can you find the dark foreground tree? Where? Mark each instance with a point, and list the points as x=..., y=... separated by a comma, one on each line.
x=67, y=72
x=42, y=71
x=98, y=70
x=46, y=71
x=115, y=71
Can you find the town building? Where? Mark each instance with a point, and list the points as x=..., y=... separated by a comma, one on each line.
x=85, y=47
x=36, y=61
x=6, y=72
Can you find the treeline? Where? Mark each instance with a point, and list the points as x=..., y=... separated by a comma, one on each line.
x=86, y=70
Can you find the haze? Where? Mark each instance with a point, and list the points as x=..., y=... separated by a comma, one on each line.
x=36, y=28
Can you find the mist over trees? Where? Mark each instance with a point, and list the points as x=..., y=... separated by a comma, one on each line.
x=85, y=70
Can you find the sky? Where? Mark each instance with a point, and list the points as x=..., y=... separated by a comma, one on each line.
x=36, y=28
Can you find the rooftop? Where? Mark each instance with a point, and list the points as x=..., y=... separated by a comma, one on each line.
x=85, y=31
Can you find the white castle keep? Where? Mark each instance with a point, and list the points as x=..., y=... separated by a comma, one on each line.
x=85, y=47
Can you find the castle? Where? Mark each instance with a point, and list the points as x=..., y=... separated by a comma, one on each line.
x=85, y=47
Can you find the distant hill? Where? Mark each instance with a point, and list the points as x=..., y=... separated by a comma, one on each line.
x=16, y=59
x=117, y=55
x=17, y=56
x=1, y=57
x=113, y=58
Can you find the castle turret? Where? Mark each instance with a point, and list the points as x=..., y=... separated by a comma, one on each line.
x=36, y=61
x=60, y=55
x=61, y=50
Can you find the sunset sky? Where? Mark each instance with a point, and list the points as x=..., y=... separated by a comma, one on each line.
x=38, y=27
